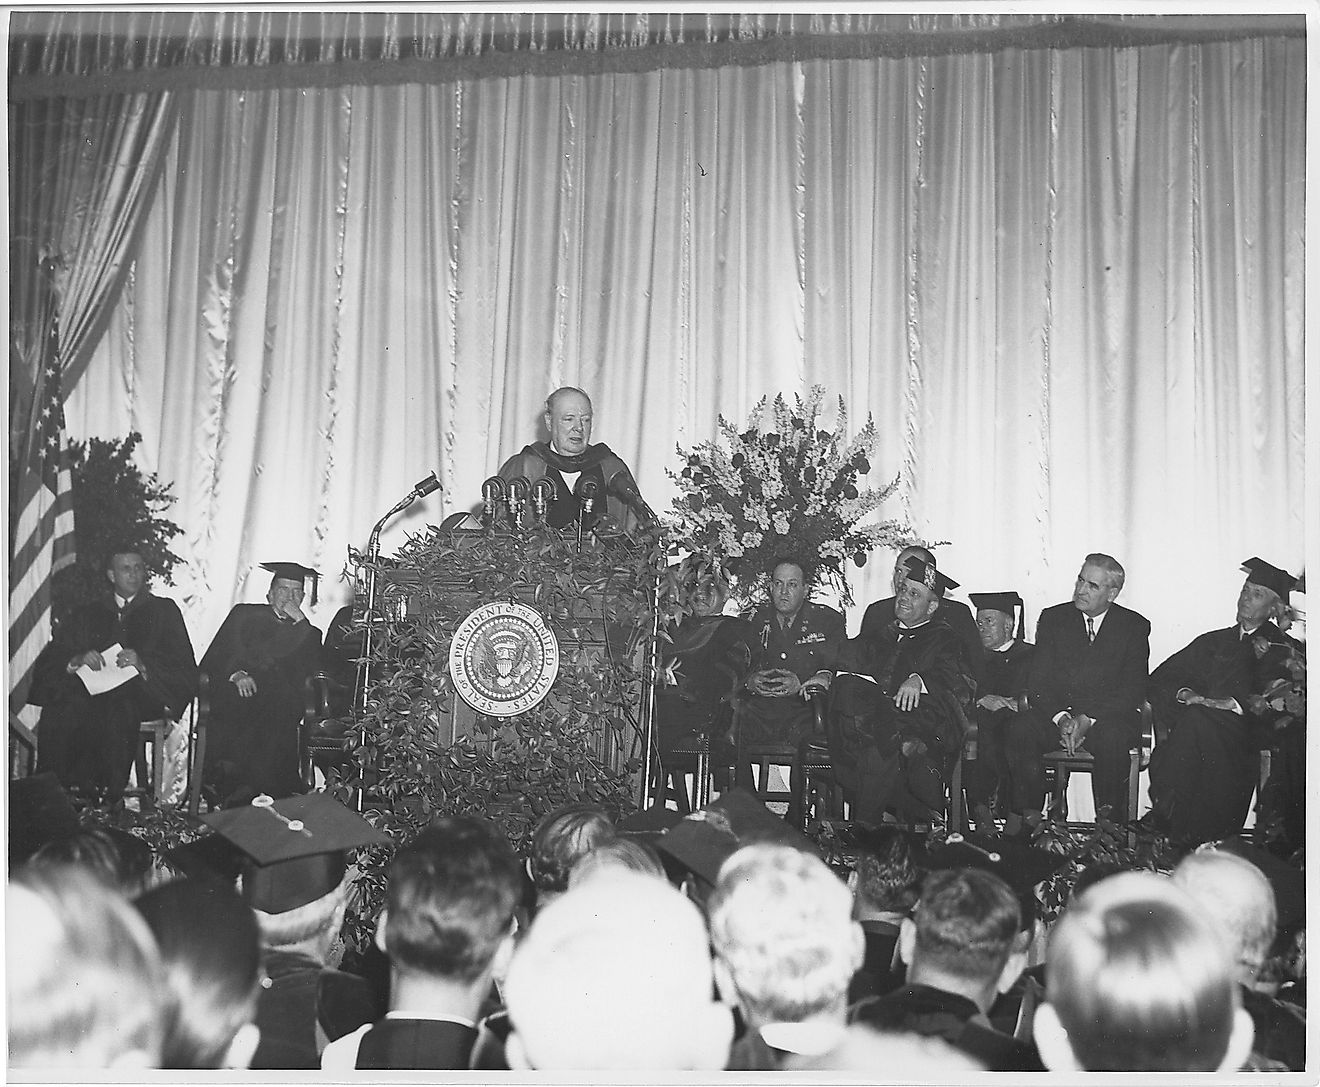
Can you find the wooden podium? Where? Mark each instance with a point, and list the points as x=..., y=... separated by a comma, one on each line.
x=420, y=747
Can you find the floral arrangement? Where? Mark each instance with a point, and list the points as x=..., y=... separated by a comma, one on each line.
x=783, y=485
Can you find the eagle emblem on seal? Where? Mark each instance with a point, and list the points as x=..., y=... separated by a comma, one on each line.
x=503, y=658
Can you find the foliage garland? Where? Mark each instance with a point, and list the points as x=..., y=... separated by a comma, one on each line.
x=783, y=485
x=582, y=743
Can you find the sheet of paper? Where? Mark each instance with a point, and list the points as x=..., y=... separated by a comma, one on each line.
x=109, y=675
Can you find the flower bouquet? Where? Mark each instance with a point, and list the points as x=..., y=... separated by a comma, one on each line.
x=783, y=486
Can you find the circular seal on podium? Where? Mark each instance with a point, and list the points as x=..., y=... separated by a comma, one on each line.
x=504, y=658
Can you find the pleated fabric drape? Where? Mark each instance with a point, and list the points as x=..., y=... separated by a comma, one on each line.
x=1067, y=283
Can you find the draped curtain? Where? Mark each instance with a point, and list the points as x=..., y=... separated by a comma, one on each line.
x=1067, y=283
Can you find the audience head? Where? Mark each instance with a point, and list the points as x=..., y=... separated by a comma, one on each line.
x=117, y=859
x=785, y=943
x=616, y=974
x=1233, y=894
x=788, y=585
x=83, y=979
x=627, y=854
x=905, y=1058
x=126, y=571
x=562, y=839
x=1098, y=583
x=1137, y=981
x=210, y=951
x=453, y=892
x=900, y=564
x=887, y=877
x=962, y=936
x=568, y=419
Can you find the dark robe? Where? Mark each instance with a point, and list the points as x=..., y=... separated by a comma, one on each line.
x=708, y=659
x=90, y=742
x=934, y=1013
x=252, y=746
x=1002, y=673
x=879, y=973
x=343, y=646
x=797, y=648
x=302, y=1006
x=1204, y=766
x=598, y=463
x=954, y=614
x=416, y=1044
x=890, y=758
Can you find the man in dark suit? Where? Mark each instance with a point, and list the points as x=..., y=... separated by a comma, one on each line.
x=1085, y=691
x=89, y=740
x=1203, y=769
x=1001, y=693
x=447, y=926
x=953, y=613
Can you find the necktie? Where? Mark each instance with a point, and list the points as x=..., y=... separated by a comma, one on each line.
x=1090, y=630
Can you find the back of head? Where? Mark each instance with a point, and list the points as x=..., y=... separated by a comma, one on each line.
x=905, y=1058
x=562, y=839
x=452, y=895
x=117, y=859
x=627, y=854
x=82, y=978
x=887, y=874
x=966, y=922
x=781, y=925
x=616, y=974
x=1236, y=896
x=210, y=950
x=1136, y=981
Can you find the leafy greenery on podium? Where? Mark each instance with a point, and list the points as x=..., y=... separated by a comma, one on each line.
x=582, y=743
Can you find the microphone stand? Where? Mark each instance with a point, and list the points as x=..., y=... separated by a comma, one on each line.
x=421, y=489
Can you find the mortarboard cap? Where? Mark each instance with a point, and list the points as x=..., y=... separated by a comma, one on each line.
x=294, y=571
x=704, y=840
x=293, y=850
x=1260, y=572
x=1007, y=602
x=924, y=573
x=1018, y=864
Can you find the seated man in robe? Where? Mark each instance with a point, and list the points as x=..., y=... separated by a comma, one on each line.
x=1203, y=769
x=590, y=480
x=258, y=666
x=896, y=724
x=789, y=635
x=703, y=666
x=1001, y=694
x=89, y=741
x=953, y=613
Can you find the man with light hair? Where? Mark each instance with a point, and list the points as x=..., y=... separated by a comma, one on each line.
x=616, y=974
x=786, y=947
x=83, y=981
x=1234, y=895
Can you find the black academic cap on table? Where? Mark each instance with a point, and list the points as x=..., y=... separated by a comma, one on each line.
x=705, y=839
x=294, y=571
x=1260, y=572
x=924, y=573
x=292, y=851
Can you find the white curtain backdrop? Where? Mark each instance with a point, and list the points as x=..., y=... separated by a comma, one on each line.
x=1067, y=283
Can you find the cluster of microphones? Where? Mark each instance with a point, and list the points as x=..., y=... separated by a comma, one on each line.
x=519, y=504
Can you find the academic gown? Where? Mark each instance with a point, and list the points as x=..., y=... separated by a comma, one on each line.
x=867, y=732
x=1002, y=673
x=90, y=742
x=1203, y=769
x=252, y=745
x=598, y=463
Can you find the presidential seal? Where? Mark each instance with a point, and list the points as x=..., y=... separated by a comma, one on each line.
x=503, y=658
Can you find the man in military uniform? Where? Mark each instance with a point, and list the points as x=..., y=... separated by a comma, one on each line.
x=897, y=722
x=788, y=635
x=1001, y=693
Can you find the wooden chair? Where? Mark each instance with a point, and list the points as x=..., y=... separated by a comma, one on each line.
x=322, y=735
x=1060, y=766
x=754, y=761
x=690, y=755
x=201, y=715
x=153, y=733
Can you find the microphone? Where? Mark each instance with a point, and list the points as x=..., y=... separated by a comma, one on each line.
x=623, y=486
x=423, y=487
x=587, y=492
x=492, y=494
x=517, y=497
x=543, y=491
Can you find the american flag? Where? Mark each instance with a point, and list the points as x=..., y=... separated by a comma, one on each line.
x=42, y=540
